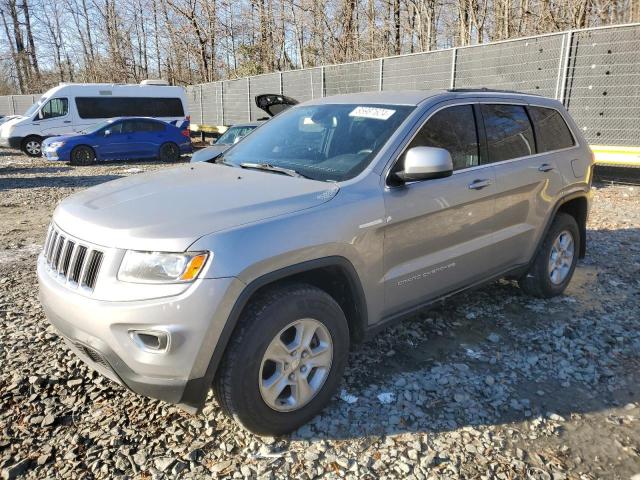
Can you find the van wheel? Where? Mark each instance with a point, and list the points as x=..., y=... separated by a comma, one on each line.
x=169, y=152
x=285, y=359
x=556, y=260
x=83, y=155
x=32, y=146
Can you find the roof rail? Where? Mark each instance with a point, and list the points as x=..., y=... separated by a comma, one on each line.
x=490, y=90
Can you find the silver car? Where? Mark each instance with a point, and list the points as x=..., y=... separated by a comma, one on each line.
x=256, y=273
x=229, y=138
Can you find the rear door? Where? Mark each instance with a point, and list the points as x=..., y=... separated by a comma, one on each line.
x=439, y=234
x=527, y=182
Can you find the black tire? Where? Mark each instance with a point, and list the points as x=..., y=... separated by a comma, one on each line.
x=82, y=155
x=237, y=381
x=32, y=146
x=537, y=281
x=169, y=152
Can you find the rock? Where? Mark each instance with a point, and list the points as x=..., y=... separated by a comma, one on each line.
x=221, y=466
x=163, y=463
x=17, y=469
x=493, y=337
x=48, y=420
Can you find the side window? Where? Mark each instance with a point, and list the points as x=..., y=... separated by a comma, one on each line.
x=56, y=107
x=156, y=127
x=115, y=128
x=552, y=131
x=509, y=132
x=453, y=129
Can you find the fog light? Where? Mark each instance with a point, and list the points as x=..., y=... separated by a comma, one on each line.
x=154, y=341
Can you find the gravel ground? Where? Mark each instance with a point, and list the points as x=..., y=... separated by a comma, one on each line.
x=492, y=384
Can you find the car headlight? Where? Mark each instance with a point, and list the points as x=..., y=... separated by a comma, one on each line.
x=56, y=144
x=161, y=267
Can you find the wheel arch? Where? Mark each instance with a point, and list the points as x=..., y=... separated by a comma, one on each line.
x=575, y=204
x=335, y=275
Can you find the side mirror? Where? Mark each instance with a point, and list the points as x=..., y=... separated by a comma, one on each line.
x=425, y=163
x=107, y=133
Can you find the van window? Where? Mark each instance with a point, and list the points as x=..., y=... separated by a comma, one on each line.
x=109, y=107
x=509, y=131
x=453, y=129
x=56, y=107
x=552, y=132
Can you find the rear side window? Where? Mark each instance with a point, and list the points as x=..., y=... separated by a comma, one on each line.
x=552, y=132
x=109, y=107
x=453, y=129
x=509, y=131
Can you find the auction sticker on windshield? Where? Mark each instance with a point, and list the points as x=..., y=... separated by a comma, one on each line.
x=372, y=112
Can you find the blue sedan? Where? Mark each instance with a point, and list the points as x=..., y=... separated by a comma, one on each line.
x=120, y=139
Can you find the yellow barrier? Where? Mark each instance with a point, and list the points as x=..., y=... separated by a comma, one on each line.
x=616, y=156
x=219, y=129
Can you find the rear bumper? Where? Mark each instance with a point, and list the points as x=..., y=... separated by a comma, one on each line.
x=99, y=333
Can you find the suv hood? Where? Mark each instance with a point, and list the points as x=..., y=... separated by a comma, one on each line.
x=170, y=209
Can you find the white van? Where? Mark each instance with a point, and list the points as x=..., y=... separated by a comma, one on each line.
x=73, y=107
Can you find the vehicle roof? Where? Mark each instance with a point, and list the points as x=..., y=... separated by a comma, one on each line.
x=115, y=119
x=122, y=89
x=415, y=97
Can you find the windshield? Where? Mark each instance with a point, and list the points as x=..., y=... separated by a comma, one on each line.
x=322, y=142
x=96, y=127
x=33, y=108
x=234, y=134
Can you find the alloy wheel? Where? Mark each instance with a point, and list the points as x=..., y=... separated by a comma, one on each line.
x=296, y=365
x=561, y=257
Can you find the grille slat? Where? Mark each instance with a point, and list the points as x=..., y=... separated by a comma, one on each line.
x=52, y=245
x=66, y=257
x=57, y=252
x=78, y=264
x=95, y=259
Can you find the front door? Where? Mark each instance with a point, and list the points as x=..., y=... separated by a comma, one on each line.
x=54, y=118
x=439, y=234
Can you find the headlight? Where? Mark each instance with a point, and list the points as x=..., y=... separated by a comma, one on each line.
x=56, y=144
x=161, y=267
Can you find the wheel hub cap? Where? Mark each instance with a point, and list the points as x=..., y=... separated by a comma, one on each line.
x=295, y=365
x=561, y=257
x=33, y=147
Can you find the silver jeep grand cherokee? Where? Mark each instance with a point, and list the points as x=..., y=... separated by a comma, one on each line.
x=255, y=274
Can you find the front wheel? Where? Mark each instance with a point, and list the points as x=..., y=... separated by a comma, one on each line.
x=169, y=152
x=32, y=146
x=285, y=360
x=83, y=156
x=555, y=262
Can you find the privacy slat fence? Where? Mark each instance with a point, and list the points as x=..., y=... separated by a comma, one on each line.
x=594, y=72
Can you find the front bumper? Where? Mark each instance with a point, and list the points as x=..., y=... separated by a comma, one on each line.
x=98, y=332
x=11, y=142
x=54, y=154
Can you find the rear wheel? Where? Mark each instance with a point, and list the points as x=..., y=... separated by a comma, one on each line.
x=285, y=360
x=32, y=146
x=555, y=262
x=83, y=155
x=169, y=152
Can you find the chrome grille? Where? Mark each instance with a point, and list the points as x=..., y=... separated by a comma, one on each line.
x=78, y=265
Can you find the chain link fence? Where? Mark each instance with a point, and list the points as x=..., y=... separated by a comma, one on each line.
x=594, y=72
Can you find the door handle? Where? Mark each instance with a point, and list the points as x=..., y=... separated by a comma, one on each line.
x=67, y=121
x=479, y=184
x=545, y=167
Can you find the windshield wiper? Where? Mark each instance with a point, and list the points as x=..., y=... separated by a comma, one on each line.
x=272, y=168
